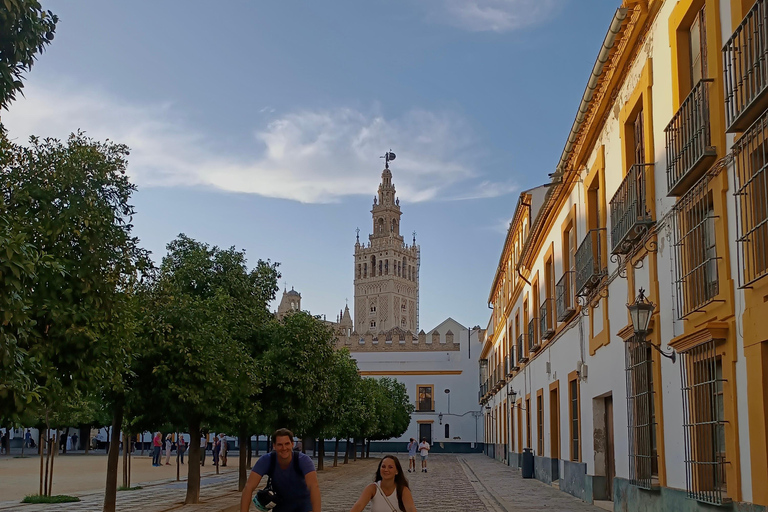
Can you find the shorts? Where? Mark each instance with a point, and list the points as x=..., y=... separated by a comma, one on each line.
x=411, y=457
x=423, y=457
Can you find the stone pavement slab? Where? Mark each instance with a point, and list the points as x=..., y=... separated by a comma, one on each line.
x=506, y=490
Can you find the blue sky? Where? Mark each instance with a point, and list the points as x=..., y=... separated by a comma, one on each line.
x=259, y=124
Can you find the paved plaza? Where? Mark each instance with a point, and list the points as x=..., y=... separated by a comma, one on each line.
x=454, y=483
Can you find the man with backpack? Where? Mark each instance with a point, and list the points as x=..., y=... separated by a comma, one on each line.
x=291, y=479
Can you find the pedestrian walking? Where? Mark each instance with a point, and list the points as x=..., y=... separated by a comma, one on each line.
x=413, y=447
x=292, y=479
x=28, y=439
x=168, y=445
x=224, y=449
x=157, y=442
x=74, y=441
x=203, y=446
x=389, y=492
x=216, y=450
x=424, y=452
x=4, y=443
x=181, y=447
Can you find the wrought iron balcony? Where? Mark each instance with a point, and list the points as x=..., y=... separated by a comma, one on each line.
x=513, y=365
x=630, y=217
x=589, y=262
x=521, y=355
x=534, y=344
x=689, y=143
x=547, y=319
x=566, y=304
x=746, y=70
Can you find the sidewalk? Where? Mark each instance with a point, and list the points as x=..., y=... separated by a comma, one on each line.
x=503, y=489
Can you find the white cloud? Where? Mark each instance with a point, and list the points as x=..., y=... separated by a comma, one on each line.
x=494, y=15
x=312, y=156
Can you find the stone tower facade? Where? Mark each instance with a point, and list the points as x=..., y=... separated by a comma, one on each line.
x=290, y=302
x=386, y=269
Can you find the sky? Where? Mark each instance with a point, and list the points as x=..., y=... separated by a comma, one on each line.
x=259, y=124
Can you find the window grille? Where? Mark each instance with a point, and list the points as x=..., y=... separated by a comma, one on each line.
x=641, y=416
x=590, y=269
x=540, y=424
x=533, y=336
x=574, y=419
x=701, y=372
x=566, y=305
x=751, y=185
x=521, y=356
x=695, y=250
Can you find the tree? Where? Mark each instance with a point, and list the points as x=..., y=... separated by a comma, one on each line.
x=346, y=410
x=25, y=30
x=70, y=202
x=192, y=358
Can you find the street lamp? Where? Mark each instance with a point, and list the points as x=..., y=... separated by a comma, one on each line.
x=641, y=312
x=440, y=418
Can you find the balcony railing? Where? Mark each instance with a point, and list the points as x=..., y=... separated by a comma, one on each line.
x=521, y=355
x=630, y=217
x=534, y=344
x=547, y=319
x=566, y=304
x=513, y=365
x=745, y=59
x=589, y=262
x=689, y=145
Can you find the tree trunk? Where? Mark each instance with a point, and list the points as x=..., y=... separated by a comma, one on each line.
x=354, y=449
x=41, y=449
x=314, y=447
x=193, y=470
x=346, y=452
x=336, y=453
x=242, y=459
x=250, y=449
x=57, y=438
x=321, y=454
x=130, y=457
x=110, y=492
x=142, y=443
x=178, y=458
x=48, y=443
x=257, y=448
x=368, y=450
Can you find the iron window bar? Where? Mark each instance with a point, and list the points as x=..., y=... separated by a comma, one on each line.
x=566, y=305
x=589, y=262
x=547, y=319
x=745, y=61
x=695, y=249
x=704, y=424
x=534, y=344
x=750, y=157
x=689, y=147
x=630, y=217
x=521, y=356
x=641, y=417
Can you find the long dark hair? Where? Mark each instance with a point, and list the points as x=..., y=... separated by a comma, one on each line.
x=400, y=481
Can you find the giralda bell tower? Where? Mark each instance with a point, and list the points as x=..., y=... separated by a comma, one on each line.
x=386, y=268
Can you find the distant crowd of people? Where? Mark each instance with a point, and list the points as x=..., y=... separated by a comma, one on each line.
x=219, y=449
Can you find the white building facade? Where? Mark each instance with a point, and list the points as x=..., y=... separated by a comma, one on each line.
x=661, y=187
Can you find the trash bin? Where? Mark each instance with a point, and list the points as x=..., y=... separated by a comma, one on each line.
x=527, y=463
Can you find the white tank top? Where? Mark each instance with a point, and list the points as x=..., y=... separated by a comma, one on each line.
x=379, y=503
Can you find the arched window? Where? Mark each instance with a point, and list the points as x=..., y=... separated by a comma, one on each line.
x=447, y=431
x=380, y=272
x=365, y=270
x=386, y=267
x=381, y=226
x=359, y=270
x=373, y=266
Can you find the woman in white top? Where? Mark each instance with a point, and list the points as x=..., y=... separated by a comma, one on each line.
x=389, y=492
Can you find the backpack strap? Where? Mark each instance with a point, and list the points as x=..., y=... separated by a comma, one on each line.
x=296, y=466
x=272, y=462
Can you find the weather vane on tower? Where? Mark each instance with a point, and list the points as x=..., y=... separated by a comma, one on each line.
x=388, y=157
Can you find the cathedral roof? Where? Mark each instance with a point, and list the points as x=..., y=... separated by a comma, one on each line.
x=293, y=292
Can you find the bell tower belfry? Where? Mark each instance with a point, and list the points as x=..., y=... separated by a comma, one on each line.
x=386, y=268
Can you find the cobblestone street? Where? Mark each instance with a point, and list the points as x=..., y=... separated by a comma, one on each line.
x=454, y=483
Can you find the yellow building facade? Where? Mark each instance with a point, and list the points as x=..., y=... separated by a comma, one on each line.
x=660, y=197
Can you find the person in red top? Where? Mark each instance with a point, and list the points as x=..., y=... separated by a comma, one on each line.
x=157, y=444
